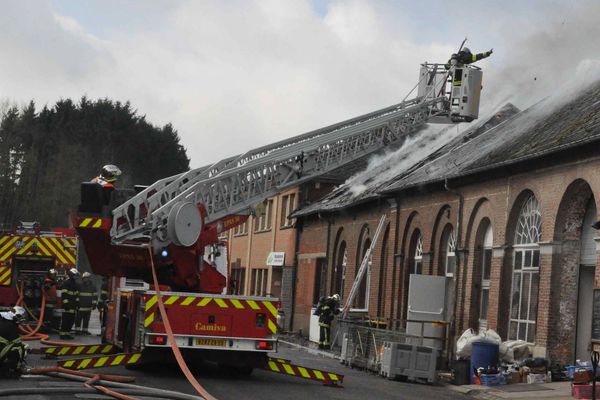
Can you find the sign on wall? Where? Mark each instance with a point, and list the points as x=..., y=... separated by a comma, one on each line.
x=276, y=258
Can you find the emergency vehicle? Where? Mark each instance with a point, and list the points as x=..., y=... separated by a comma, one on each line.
x=26, y=255
x=162, y=233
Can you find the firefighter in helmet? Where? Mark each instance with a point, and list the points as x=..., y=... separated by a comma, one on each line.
x=465, y=56
x=12, y=349
x=327, y=309
x=49, y=288
x=70, y=301
x=108, y=176
x=87, y=302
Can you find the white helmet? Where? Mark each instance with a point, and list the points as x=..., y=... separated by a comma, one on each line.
x=466, y=50
x=16, y=314
x=86, y=275
x=110, y=173
x=336, y=297
x=73, y=271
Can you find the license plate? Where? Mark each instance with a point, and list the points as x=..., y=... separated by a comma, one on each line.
x=211, y=342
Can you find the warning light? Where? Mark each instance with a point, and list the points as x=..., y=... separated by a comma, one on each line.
x=164, y=253
x=263, y=345
x=158, y=340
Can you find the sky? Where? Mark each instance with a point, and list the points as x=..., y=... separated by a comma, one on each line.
x=232, y=75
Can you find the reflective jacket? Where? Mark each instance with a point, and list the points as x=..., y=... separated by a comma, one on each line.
x=466, y=57
x=87, y=296
x=101, y=181
x=327, y=310
x=50, y=292
x=70, y=295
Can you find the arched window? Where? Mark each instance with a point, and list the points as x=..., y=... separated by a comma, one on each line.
x=450, y=261
x=486, y=271
x=526, y=272
x=339, y=270
x=418, y=257
x=362, y=296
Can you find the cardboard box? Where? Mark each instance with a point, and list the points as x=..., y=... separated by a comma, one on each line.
x=513, y=377
x=536, y=378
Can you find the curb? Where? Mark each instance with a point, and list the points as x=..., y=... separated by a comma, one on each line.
x=311, y=351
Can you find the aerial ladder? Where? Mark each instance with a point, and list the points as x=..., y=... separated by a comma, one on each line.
x=163, y=233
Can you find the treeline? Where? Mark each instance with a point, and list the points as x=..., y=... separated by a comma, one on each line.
x=45, y=155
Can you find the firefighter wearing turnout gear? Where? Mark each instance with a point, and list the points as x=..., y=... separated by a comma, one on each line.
x=327, y=309
x=103, y=304
x=49, y=288
x=70, y=301
x=87, y=302
x=12, y=349
x=465, y=56
x=108, y=176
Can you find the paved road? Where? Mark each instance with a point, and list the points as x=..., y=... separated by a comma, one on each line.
x=260, y=385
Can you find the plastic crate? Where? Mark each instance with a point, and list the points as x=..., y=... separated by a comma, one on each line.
x=583, y=391
x=491, y=379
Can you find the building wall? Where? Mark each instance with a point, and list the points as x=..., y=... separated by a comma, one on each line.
x=562, y=192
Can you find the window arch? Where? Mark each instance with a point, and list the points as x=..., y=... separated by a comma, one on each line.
x=447, y=255
x=339, y=269
x=526, y=272
x=486, y=270
x=383, y=274
x=361, y=301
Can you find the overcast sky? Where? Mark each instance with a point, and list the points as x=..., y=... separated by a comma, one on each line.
x=234, y=75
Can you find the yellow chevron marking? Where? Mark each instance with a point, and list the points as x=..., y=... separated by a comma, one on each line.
x=273, y=366
x=4, y=276
x=47, y=250
x=333, y=377
x=101, y=361
x=106, y=349
x=118, y=359
x=149, y=319
x=2, y=269
x=171, y=300
x=253, y=304
x=78, y=350
x=6, y=246
x=304, y=372
x=3, y=239
x=221, y=303
x=318, y=374
x=27, y=246
x=69, y=363
x=188, y=300
x=85, y=222
x=49, y=350
x=272, y=326
x=63, y=351
x=237, y=304
x=84, y=363
x=134, y=358
x=270, y=307
x=204, y=301
x=150, y=302
x=289, y=369
x=98, y=224
x=65, y=252
x=92, y=349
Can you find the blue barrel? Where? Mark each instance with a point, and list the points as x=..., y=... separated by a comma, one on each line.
x=484, y=354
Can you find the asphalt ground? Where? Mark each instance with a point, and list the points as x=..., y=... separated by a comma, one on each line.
x=259, y=385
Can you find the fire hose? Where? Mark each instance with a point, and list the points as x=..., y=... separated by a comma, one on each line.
x=176, y=352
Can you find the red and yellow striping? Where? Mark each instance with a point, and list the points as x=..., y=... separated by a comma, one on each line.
x=63, y=249
x=101, y=361
x=5, y=275
x=78, y=350
x=285, y=367
x=258, y=305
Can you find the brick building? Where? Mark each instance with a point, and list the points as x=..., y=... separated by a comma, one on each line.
x=504, y=210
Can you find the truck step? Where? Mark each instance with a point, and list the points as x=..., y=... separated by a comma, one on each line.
x=59, y=351
x=285, y=367
x=112, y=360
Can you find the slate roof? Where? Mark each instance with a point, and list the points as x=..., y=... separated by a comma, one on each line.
x=508, y=137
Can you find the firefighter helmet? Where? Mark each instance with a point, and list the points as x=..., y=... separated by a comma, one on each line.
x=86, y=275
x=16, y=314
x=110, y=173
x=466, y=50
x=52, y=272
x=73, y=272
x=336, y=297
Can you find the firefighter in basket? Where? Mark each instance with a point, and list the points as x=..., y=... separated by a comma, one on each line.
x=327, y=309
x=108, y=176
x=12, y=350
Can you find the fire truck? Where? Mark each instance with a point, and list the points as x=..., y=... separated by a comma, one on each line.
x=171, y=230
x=26, y=255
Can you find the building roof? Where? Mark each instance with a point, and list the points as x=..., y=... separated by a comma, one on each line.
x=508, y=137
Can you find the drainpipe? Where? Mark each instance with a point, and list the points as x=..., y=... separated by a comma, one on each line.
x=461, y=201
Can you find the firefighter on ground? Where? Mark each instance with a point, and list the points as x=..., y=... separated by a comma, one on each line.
x=108, y=176
x=70, y=301
x=49, y=288
x=88, y=297
x=327, y=309
x=465, y=56
x=103, y=304
x=12, y=349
